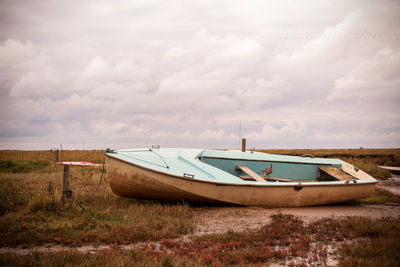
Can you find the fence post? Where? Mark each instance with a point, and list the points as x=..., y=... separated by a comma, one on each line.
x=66, y=192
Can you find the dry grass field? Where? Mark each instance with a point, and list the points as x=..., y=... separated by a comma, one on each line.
x=31, y=216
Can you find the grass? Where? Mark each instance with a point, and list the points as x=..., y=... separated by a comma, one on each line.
x=95, y=156
x=24, y=166
x=382, y=248
x=390, y=156
x=381, y=196
x=360, y=242
x=30, y=215
x=111, y=257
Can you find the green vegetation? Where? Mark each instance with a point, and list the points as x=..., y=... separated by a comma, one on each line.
x=381, y=196
x=25, y=166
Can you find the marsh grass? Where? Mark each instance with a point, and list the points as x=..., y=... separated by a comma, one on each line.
x=112, y=257
x=285, y=239
x=24, y=166
x=390, y=156
x=30, y=215
x=95, y=156
x=381, y=248
x=381, y=196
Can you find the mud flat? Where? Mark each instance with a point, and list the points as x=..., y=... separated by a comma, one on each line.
x=223, y=219
x=392, y=184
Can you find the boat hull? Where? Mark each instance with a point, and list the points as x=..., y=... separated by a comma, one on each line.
x=134, y=181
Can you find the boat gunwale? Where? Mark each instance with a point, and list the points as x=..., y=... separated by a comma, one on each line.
x=266, y=184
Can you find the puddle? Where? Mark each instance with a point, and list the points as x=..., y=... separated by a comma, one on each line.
x=52, y=248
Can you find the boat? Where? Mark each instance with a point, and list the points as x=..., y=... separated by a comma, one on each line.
x=234, y=177
x=392, y=169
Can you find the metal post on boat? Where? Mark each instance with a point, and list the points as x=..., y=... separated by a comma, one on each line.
x=243, y=144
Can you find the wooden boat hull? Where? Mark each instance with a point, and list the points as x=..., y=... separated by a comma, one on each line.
x=134, y=181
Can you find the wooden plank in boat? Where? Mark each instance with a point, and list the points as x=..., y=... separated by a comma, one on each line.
x=277, y=179
x=249, y=178
x=251, y=173
x=246, y=178
x=335, y=172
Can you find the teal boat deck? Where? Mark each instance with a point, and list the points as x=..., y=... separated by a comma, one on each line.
x=178, y=162
x=221, y=166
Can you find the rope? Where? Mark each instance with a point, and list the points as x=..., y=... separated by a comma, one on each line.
x=79, y=202
x=160, y=158
x=98, y=185
x=149, y=150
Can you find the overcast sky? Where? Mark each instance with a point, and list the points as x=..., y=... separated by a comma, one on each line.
x=120, y=74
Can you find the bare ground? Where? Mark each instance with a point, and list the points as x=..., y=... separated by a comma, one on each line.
x=222, y=219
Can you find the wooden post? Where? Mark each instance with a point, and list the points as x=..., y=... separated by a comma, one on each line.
x=55, y=155
x=51, y=189
x=66, y=192
x=243, y=144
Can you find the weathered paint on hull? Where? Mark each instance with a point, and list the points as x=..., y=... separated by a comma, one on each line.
x=132, y=181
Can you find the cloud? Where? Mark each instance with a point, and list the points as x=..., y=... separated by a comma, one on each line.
x=13, y=52
x=186, y=73
x=372, y=80
x=97, y=68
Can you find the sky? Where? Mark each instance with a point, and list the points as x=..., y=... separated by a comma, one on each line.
x=123, y=74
